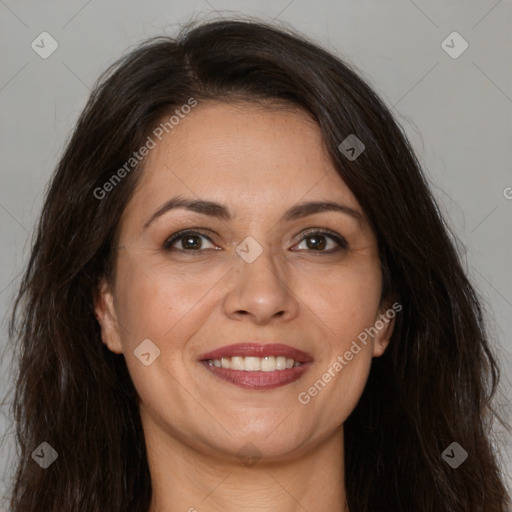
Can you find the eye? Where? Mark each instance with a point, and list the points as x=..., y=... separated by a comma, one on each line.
x=190, y=241
x=315, y=240
x=318, y=241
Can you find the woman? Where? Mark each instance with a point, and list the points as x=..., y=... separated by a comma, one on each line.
x=242, y=296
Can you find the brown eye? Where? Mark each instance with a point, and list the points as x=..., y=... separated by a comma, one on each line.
x=321, y=241
x=188, y=241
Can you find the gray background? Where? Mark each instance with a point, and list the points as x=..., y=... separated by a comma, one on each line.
x=456, y=112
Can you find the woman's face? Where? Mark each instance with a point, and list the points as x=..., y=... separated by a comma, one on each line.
x=259, y=271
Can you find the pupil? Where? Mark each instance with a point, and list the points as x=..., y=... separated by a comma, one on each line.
x=318, y=242
x=189, y=242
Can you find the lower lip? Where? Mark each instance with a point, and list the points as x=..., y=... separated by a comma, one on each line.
x=259, y=379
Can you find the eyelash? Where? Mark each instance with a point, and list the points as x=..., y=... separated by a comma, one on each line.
x=342, y=243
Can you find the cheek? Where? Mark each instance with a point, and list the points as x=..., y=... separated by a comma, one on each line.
x=347, y=301
x=155, y=300
x=333, y=391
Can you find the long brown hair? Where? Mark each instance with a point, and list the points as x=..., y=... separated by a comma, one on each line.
x=434, y=384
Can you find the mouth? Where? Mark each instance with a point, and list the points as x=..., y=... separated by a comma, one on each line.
x=256, y=366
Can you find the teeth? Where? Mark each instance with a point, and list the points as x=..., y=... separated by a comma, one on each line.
x=251, y=364
x=254, y=364
x=268, y=364
x=237, y=363
x=281, y=363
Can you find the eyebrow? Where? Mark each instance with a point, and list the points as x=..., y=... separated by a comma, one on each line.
x=217, y=210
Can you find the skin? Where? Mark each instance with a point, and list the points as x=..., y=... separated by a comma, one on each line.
x=258, y=162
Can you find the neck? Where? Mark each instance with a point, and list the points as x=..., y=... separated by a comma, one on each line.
x=186, y=479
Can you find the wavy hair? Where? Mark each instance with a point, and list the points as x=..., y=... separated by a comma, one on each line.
x=434, y=384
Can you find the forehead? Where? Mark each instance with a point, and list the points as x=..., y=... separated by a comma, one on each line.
x=245, y=155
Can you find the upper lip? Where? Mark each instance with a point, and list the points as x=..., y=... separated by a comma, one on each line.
x=257, y=350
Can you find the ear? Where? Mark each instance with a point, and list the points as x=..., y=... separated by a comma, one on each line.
x=107, y=318
x=385, y=323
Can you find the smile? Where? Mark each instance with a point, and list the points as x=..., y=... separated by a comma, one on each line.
x=256, y=366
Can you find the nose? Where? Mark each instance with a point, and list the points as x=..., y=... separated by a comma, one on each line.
x=261, y=292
